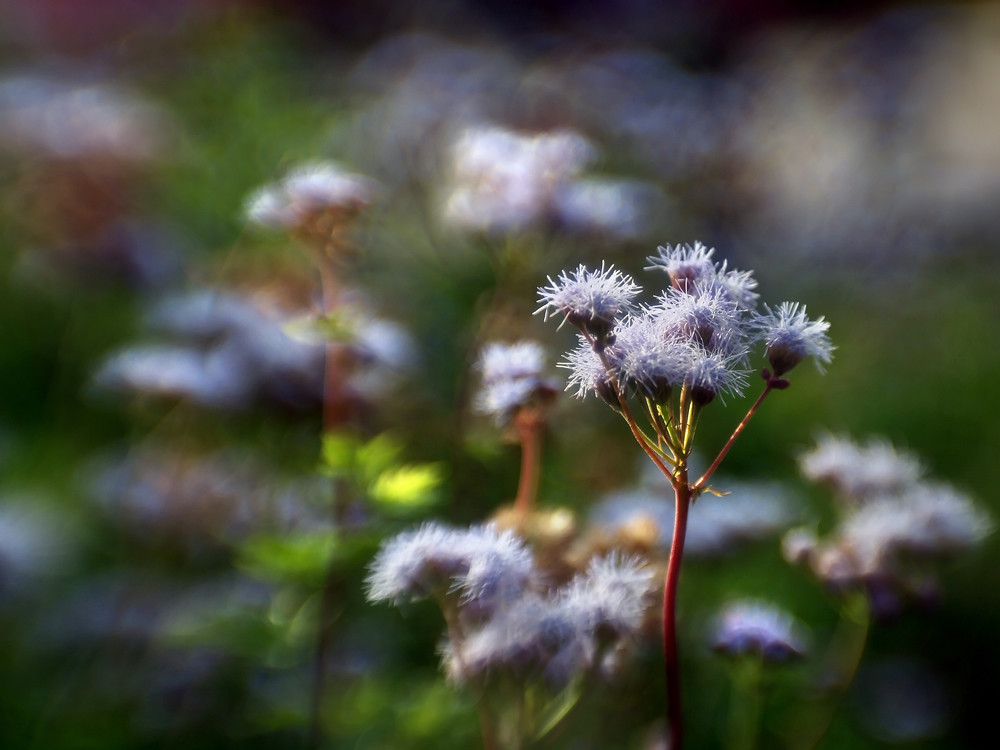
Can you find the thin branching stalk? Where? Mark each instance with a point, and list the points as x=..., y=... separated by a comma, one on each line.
x=732, y=438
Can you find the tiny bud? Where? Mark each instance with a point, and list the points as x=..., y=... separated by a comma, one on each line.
x=778, y=384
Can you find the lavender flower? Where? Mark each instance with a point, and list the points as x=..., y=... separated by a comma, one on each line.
x=687, y=265
x=558, y=635
x=512, y=378
x=506, y=181
x=306, y=193
x=759, y=628
x=892, y=518
x=857, y=471
x=590, y=300
x=790, y=337
x=609, y=599
x=487, y=566
x=588, y=373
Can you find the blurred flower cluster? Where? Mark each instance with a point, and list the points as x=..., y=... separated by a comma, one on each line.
x=892, y=521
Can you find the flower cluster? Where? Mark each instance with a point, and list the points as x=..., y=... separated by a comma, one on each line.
x=513, y=378
x=751, y=627
x=503, y=621
x=697, y=335
x=891, y=517
x=505, y=181
x=311, y=197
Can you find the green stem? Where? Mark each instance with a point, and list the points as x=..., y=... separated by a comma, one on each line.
x=747, y=702
x=844, y=657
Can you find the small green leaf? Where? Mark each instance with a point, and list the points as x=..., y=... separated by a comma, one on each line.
x=339, y=454
x=303, y=558
x=407, y=488
x=377, y=456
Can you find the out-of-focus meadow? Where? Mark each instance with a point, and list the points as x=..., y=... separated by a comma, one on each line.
x=174, y=570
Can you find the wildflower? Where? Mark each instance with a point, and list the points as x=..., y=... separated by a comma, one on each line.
x=609, y=599
x=759, y=628
x=687, y=265
x=894, y=518
x=590, y=300
x=588, y=373
x=858, y=471
x=308, y=194
x=485, y=565
x=711, y=375
x=790, y=337
x=64, y=119
x=930, y=520
x=506, y=181
x=512, y=378
x=558, y=635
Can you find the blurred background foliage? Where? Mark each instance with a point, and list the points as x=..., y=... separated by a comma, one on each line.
x=166, y=553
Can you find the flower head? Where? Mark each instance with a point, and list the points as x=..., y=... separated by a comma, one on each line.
x=588, y=374
x=591, y=300
x=859, y=471
x=488, y=567
x=755, y=627
x=513, y=377
x=311, y=191
x=790, y=337
x=609, y=599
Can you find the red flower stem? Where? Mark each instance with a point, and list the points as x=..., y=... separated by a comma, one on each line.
x=671, y=662
x=529, y=423
x=732, y=439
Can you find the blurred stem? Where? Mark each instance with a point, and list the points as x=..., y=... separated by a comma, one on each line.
x=671, y=662
x=449, y=608
x=747, y=701
x=329, y=595
x=529, y=423
x=843, y=658
x=732, y=438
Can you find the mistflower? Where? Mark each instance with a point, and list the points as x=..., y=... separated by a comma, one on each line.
x=790, y=337
x=518, y=638
x=513, y=377
x=643, y=358
x=486, y=566
x=930, y=520
x=309, y=192
x=859, y=471
x=588, y=374
x=590, y=300
x=687, y=265
x=506, y=181
x=711, y=375
x=752, y=627
x=610, y=598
